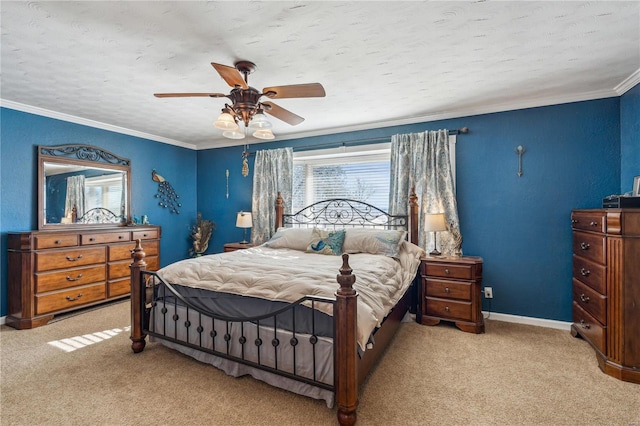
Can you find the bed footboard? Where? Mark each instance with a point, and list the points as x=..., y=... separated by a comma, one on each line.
x=345, y=346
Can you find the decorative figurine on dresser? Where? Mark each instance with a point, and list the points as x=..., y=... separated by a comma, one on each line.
x=450, y=290
x=81, y=252
x=606, y=287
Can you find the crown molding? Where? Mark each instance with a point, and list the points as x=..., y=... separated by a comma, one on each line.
x=628, y=84
x=90, y=123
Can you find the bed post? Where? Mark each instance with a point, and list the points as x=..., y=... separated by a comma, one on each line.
x=137, y=298
x=279, y=212
x=346, y=345
x=413, y=217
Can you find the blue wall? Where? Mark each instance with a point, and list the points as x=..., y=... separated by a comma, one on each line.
x=21, y=133
x=519, y=225
x=630, y=138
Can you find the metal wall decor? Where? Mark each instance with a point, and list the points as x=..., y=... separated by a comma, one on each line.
x=227, y=173
x=520, y=150
x=167, y=195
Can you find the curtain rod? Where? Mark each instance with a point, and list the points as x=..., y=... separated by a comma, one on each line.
x=363, y=141
x=460, y=131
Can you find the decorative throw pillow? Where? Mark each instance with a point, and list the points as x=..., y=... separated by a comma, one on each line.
x=291, y=238
x=373, y=241
x=326, y=242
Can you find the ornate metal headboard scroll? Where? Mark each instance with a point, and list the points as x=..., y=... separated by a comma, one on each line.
x=344, y=213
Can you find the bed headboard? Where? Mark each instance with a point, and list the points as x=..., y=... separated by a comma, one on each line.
x=345, y=213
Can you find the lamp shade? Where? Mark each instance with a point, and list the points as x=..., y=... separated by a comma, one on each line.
x=233, y=134
x=244, y=220
x=435, y=222
x=264, y=134
x=226, y=122
x=259, y=121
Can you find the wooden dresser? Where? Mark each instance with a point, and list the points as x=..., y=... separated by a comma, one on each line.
x=51, y=272
x=606, y=287
x=450, y=290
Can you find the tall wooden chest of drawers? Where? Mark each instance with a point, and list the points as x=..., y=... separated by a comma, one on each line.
x=52, y=272
x=450, y=291
x=606, y=287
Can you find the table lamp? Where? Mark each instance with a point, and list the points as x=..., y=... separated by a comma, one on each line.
x=244, y=221
x=435, y=223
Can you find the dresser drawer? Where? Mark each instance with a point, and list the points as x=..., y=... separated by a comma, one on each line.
x=450, y=309
x=590, y=246
x=590, y=273
x=108, y=237
x=121, y=269
x=61, y=300
x=147, y=234
x=123, y=251
x=447, y=289
x=50, y=281
x=589, y=328
x=63, y=259
x=589, y=221
x=53, y=241
x=590, y=300
x=119, y=287
x=445, y=270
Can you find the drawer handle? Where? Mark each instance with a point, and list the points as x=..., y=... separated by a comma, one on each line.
x=584, y=246
x=585, y=272
x=584, y=325
x=446, y=290
x=71, y=299
x=446, y=271
x=74, y=279
x=144, y=235
x=119, y=237
x=584, y=298
x=594, y=223
x=92, y=239
x=574, y=221
x=57, y=242
x=73, y=259
x=446, y=308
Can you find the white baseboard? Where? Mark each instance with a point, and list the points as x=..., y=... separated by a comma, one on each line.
x=3, y=320
x=540, y=322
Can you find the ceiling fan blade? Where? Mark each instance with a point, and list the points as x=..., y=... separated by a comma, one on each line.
x=311, y=90
x=231, y=75
x=188, y=95
x=282, y=114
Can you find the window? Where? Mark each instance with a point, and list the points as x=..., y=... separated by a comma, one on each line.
x=104, y=191
x=359, y=173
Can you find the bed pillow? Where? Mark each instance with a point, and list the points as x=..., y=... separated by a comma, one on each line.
x=291, y=238
x=326, y=242
x=373, y=241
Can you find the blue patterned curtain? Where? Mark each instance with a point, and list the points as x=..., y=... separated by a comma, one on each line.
x=273, y=173
x=421, y=160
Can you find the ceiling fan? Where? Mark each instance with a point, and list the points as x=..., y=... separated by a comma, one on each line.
x=246, y=106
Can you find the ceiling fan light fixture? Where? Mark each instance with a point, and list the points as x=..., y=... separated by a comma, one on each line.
x=264, y=134
x=233, y=134
x=259, y=121
x=226, y=122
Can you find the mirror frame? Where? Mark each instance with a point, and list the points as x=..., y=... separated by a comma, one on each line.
x=82, y=155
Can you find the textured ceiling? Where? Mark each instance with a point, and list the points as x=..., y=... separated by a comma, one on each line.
x=381, y=63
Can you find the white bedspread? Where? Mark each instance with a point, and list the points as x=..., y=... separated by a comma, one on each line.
x=287, y=275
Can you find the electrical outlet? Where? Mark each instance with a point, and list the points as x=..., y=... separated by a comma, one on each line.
x=488, y=292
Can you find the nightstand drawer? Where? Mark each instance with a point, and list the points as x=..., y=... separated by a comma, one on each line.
x=447, y=270
x=589, y=221
x=448, y=309
x=447, y=289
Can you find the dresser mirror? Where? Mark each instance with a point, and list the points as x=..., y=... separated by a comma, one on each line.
x=82, y=186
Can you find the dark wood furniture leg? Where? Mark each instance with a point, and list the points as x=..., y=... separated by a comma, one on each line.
x=137, y=299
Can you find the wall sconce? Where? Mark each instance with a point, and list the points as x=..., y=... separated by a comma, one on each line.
x=244, y=221
x=435, y=223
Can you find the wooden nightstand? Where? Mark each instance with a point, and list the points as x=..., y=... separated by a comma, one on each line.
x=450, y=290
x=236, y=246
